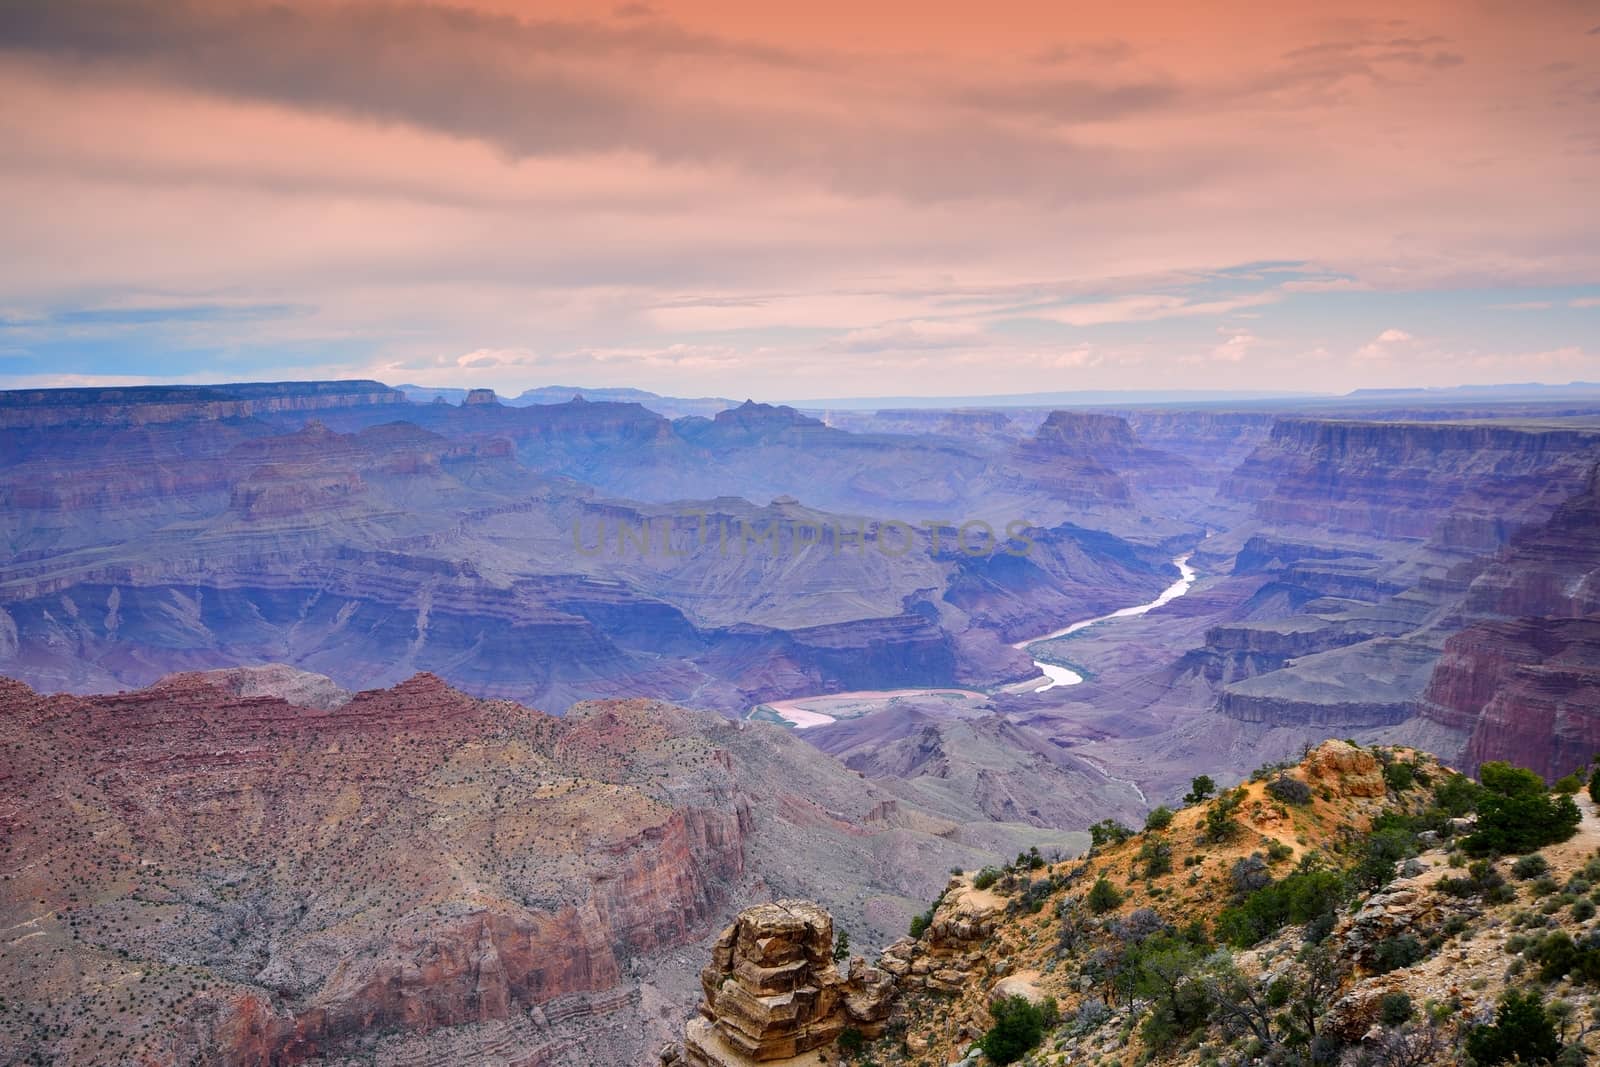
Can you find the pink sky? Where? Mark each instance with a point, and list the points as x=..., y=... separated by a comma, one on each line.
x=802, y=200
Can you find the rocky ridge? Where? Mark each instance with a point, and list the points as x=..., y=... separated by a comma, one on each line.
x=1404, y=964
x=205, y=871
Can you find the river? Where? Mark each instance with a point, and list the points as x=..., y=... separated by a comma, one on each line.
x=1066, y=676
x=801, y=717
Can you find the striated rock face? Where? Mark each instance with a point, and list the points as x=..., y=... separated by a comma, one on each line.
x=409, y=860
x=773, y=991
x=1075, y=454
x=1524, y=690
x=150, y=405
x=1524, y=684
x=1405, y=480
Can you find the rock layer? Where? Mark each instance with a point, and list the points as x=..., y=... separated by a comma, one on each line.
x=773, y=990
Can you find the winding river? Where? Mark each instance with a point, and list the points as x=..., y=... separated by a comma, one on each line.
x=793, y=711
x=1065, y=676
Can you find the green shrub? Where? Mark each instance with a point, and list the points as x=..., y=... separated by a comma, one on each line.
x=1220, y=824
x=1395, y=1009
x=1108, y=832
x=1156, y=857
x=1019, y=1026
x=1531, y=866
x=1392, y=953
x=851, y=1041
x=1159, y=818
x=1200, y=788
x=1289, y=790
x=1521, y=1031
x=1482, y=880
x=1104, y=896
x=986, y=878
x=1457, y=795
x=1380, y=852
x=1399, y=776
x=1566, y=785
x=1311, y=891
x=1594, y=786
x=1515, y=814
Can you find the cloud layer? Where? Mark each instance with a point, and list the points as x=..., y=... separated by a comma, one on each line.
x=775, y=202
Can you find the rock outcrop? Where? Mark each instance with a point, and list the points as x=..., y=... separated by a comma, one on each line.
x=773, y=990
x=1522, y=681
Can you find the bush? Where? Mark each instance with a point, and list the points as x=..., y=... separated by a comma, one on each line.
x=1289, y=790
x=851, y=1041
x=1399, y=776
x=1220, y=824
x=1531, y=866
x=1019, y=1026
x=1104, y=896
x=1311, y=891
x=1522, y=1030
x=1277, y=851
x=1382, y=850
x=986, y=878
x=1594, y=786
x=1457, y=795
x=1249, y=874
x=1558, y=955
x=1159, y=818
x=1392, y=953
x=1482, y=881
x=1515, y=814
x=1108, y=832
x=1156, y=857
x=1395, y=1009
x=1200, y=788
x=1567, y=785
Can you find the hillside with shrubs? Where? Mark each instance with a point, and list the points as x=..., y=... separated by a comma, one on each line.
x=1364, y=906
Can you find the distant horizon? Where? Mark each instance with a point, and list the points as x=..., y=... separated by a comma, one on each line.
x=1507, y=391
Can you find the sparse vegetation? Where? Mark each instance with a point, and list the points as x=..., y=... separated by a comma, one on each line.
x=1104, y=896
x=1200, y=788
x=1019, y=1026
x=1521, y=1031
x=1516, y=814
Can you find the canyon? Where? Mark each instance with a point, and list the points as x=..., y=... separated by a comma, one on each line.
x=276, y=791
x=203, y=869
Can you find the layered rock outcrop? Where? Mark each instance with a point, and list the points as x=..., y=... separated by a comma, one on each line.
x=1522, y=681
x=773, y=990
x=1403, y=480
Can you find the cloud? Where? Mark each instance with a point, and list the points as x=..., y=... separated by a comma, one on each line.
x=1326, y=285
x=915, y=334
x=549, y=88
x=1146, y=308
x=1525, y=305
x=1235, y=348
x=1586, y=302
x=1386, y=346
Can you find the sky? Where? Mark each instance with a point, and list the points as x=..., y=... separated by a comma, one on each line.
x=786, y=200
